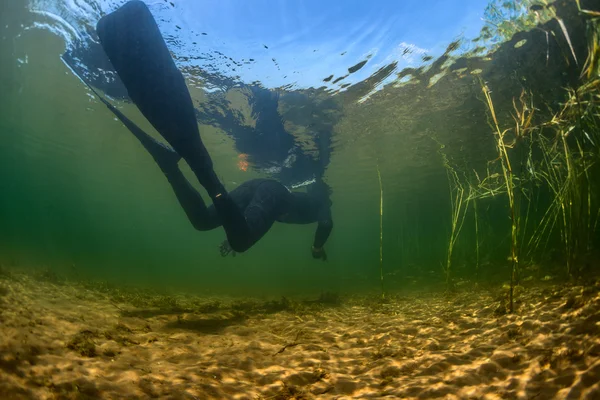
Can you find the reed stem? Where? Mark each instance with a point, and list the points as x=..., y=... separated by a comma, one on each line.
x=381, y=231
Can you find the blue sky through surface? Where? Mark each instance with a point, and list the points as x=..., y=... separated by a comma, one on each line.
x=279, y=42
x=310, y=40
x=276, y=43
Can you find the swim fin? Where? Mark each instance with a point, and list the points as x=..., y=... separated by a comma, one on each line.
x=133, y=43
x=165, y=157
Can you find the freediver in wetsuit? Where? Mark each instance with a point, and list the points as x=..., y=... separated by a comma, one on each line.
x=131, y=39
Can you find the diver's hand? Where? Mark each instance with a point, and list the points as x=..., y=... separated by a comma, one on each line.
x=319, y=253
x=225, y=249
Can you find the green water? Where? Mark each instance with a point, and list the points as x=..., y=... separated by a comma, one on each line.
x=81, y=196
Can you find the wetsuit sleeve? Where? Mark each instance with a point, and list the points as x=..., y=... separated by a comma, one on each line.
x=324, y=227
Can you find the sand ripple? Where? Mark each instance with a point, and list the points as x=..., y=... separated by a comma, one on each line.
x=70, y=342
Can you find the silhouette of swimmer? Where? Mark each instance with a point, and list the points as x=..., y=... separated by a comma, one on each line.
x=133, y=43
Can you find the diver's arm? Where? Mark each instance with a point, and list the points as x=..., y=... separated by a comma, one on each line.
x=324, y=227
x=322, y=234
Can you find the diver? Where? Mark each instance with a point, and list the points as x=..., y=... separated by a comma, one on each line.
x=132, y=41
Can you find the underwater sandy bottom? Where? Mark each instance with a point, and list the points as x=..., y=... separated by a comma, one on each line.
x=69, y=341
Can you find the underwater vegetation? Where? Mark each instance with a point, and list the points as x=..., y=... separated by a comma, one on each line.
x=547, y=171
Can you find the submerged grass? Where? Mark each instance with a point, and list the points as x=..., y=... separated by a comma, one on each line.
x=540, y=155
x=459, y=204
x=523, y=118
x=570, y=146
x=380, y=231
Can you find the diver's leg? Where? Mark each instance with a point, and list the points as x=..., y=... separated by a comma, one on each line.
x=270, y=200
x=201, y=217
x=163, y=155
x=131, y=39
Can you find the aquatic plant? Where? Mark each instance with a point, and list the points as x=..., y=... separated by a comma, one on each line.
x=381, y=231
x=545, y=166
x=83, y=344
x=556, y=156
x=570, y=145
x=506, y=139
x=459, y=204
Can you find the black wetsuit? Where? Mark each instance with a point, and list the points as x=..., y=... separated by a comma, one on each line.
x=263, y=201
x=135, y=47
